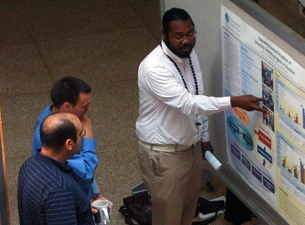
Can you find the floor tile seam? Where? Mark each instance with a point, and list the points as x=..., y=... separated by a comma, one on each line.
x=33, y=40
x=143, y=20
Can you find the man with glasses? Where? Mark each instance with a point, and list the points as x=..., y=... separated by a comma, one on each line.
x=71, y=94
x=172, y=126
x=47, y=190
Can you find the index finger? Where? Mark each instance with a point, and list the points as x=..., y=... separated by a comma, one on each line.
x=264, y=110
x=261, y=99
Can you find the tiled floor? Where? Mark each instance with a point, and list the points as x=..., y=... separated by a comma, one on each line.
x=102, y=42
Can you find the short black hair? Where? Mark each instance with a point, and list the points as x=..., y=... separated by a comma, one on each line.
x=56, y=136
x=68, y=89
x=174, y=14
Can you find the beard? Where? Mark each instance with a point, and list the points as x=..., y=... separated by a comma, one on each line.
x=183, y=51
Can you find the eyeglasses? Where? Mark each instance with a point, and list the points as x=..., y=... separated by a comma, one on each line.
x=82, y=133
x=189, y=36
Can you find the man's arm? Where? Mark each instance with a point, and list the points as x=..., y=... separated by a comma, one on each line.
x=206, y=146
x=85, y=162
x=87, y=126
x=205, y=137
x=162, y=84
x=61, y=208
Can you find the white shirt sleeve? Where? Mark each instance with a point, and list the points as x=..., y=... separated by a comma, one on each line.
x=162, y=84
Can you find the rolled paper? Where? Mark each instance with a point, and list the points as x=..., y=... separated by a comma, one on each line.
x=212, y=160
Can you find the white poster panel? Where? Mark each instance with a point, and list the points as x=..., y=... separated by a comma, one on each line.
x=267, y=150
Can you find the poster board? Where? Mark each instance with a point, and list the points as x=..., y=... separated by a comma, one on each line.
x=4, y=213
x=267, y=200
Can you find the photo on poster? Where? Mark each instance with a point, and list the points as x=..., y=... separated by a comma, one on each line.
x=267, y=75
x=268, y=119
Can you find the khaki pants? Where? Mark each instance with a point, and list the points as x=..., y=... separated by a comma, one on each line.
x=173, y=181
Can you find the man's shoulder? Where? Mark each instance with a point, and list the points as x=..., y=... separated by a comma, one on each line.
x=154, y=56
x=45, y=112
x=155, y=59
x=35, y=170
x=26, y=165
x=45, y=172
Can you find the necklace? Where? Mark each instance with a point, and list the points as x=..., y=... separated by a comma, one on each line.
x=193, y=72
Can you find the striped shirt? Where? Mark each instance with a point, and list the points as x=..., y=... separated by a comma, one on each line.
x=49, y=194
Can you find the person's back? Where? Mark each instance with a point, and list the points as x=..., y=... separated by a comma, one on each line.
x=41, y=194
x=47, y=189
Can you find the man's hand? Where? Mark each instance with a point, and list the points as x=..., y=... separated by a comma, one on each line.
x=206, y=146
x=87, y=127
x=94, y=210
x=248, y=102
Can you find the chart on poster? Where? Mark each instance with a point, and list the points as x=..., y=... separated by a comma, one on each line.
x=266, y=149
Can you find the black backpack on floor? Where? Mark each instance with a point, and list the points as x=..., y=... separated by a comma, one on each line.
x=139, y=208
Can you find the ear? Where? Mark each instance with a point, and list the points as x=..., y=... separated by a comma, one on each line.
x=69, y=144
x=65, y=106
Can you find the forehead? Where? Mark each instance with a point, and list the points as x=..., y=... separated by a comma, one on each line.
x=180, y=26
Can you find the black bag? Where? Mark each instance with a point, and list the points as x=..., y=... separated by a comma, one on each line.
x=205, y=206
x=139, y=207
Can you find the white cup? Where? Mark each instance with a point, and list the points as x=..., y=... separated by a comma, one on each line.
x=212, y=160
x=102, y=217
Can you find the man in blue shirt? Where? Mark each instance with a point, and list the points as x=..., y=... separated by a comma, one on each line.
x=47, y=190
x=71, y=94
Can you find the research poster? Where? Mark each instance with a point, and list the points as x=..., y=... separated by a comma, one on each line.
x=266, y=149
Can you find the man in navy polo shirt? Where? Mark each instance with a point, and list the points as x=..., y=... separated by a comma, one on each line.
x=47, y=190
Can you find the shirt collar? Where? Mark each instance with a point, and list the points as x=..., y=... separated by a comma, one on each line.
x=43, y=158
x=168, y=52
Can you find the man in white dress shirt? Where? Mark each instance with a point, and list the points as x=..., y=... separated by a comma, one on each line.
x=172, y=126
